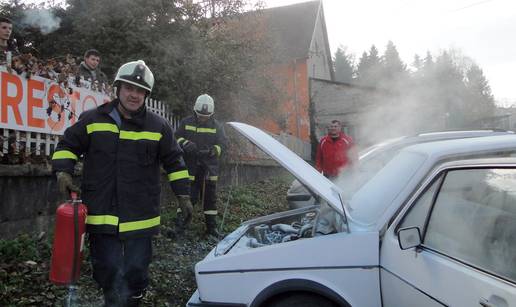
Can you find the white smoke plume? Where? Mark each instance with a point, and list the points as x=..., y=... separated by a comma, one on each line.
x=42, y=19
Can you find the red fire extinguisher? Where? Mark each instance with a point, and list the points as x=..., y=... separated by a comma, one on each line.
x=68, y=244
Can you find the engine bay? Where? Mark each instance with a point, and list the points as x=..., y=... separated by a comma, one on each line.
x=288, y=226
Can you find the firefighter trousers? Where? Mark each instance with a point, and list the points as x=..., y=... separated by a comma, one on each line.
x=120, y=266
x=204, y=189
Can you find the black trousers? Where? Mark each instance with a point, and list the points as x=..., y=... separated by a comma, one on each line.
x=202, y=185
x=120, y=266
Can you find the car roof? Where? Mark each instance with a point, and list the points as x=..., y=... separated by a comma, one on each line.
x=467, y=132
x=404, y=141
x=468, y=146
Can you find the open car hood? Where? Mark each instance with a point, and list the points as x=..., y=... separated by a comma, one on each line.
x=303, y=171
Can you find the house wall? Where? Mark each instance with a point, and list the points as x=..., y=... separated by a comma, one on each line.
x=319, y=56
x=293, y=80
x=355, y=106
x=287, y=106
x=293, y=118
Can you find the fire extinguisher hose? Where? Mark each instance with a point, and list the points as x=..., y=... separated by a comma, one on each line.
x=71, y=299
x=76, y=242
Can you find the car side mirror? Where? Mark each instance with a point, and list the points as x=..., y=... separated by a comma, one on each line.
x=409, y=237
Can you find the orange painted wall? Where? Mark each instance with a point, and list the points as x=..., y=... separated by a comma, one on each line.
x=292, y=81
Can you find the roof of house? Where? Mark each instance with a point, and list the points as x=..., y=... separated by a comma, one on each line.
x=291, y=28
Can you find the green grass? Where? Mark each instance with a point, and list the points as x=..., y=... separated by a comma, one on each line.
x=25, y=261
x=247, y=202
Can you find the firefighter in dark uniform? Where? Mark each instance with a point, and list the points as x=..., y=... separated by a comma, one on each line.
x=203, y=140
x=123, y=144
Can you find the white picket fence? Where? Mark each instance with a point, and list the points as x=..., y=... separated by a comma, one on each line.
x=161, y=109
x=32, y=143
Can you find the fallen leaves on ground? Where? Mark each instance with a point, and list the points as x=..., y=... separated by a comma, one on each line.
x=26, y=260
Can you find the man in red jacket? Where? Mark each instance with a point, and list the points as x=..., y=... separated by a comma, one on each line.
x=335, y=151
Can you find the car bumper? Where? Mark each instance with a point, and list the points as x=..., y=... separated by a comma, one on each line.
x=195, y=301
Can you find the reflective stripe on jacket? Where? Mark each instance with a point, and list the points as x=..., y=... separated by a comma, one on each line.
x=121, y=171
x=206, y=136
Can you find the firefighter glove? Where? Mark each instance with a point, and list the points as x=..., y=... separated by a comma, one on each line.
x=213, y=152
x=65, y=184
x=186, y=209
x=189, y=148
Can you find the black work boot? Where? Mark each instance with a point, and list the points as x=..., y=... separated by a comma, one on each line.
x=111, y=298
x=133, y=300
x=211, y=227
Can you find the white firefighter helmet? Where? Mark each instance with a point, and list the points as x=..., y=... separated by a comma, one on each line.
x=136, y=73
x=204, y=105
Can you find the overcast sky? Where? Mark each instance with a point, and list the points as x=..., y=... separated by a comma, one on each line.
x=482, y=30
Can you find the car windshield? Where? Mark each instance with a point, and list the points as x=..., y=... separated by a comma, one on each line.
x=372, y=151
x=372, y=186
x=352, y=179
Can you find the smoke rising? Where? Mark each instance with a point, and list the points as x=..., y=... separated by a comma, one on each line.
x=42, y=19
x=445, y=91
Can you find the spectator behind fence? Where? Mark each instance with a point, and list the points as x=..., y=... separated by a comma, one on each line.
x=90, y=69
x=8, y=46
x=63, y=70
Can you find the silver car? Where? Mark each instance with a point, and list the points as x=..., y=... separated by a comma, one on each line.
x=373, y=158
x=435, y=226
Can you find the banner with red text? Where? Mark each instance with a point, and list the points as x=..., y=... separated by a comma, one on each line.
x=42, y=105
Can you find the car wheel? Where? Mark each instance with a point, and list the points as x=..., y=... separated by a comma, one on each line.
x=302, y=300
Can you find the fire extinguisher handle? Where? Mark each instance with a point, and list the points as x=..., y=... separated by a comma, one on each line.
x=73, y=195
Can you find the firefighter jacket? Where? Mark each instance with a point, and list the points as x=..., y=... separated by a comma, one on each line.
x=332, y=154
x=121, y=171
x=206, y=136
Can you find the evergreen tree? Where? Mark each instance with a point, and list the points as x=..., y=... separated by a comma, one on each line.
x=453, y=95
x=450, y=92
x=374, y=58
x=369, y=68
x=480, y=97
x=428, y=65
x=343, y=64
x=392, y=63
x=363, y=66
x=417, y=64
x=477, y=83
x=393, y=70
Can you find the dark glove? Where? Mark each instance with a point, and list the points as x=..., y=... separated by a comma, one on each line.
x=190, y=148
x=186, y=209
x=65, y=184
x=213, y=152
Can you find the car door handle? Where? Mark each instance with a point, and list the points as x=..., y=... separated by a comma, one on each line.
x=485, y=303
x=493, y=301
